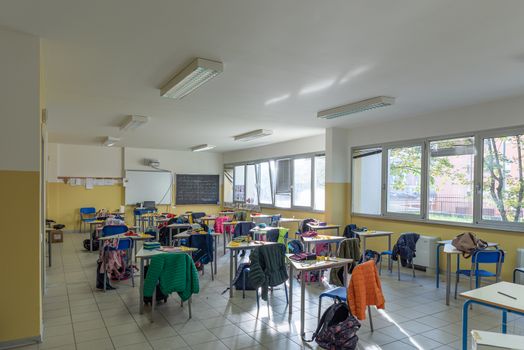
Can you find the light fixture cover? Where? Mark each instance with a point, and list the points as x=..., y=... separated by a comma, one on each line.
x=255, y=134
x=356, y=107
x=110, y=141
x=133, y=121
x=200, y=148
x=190, y=78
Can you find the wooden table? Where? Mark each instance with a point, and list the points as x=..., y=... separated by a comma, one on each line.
x=450, y=250
x=262, y=231
x=364, y=235
x=207, y=219
x=324, y=227
x=215, y=235
x=290, y=220
x=233, y=257
x=261, y=218
x=141, y=237
x=178, y=228
x=144, y=254
x=308, y=241
x=307, y=266
x=490, y=296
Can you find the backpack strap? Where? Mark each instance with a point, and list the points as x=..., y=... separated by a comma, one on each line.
x=322, y=322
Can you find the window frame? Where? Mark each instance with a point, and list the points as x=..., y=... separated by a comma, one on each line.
x=311, y=156
x=478, y=222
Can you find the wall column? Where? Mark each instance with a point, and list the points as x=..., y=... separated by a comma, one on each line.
x=337, y=178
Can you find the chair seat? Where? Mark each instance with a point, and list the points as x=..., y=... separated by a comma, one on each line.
x=386, y=252
x=339, y=292
x=481, y=273
x=88, y=219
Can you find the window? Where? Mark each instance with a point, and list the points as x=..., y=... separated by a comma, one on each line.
x=287, y=183
x=450, y=196
x=503, y=179
x=367, y=181
x=320, y=183
x=302, y=182
x=239, y=184
x=404, y=180
x=283, y=183
x=265, y=184
x=474, y=180
x=228, y=185
x=251, y=185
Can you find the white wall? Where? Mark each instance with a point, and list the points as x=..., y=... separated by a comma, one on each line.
x=89, y=161
x=298, y=146
x=19, y=101
x=181, y=162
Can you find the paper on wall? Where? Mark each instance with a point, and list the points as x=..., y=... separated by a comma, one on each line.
x=90, y=183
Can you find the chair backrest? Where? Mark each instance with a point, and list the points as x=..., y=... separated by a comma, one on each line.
x=197, y=215
x=88, y=210
x=111, y=230
x=487, y=257
x=272, y=235
x=275, y=219
x=124, y=244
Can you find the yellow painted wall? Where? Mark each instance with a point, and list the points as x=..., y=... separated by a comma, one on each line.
x=20, y=267
x=336, y=203
x=509, y=241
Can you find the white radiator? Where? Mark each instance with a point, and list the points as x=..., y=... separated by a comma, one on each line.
x=520, y=263
x=426, y=253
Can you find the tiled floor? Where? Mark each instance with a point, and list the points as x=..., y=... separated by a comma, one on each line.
x=77, y=316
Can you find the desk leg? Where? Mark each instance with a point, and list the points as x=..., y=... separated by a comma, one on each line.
x=216, y=257
x=338, y=231
x=141, y=289
x=290, y=288
x=390, y=261
x=345, y=276
x=231, y=252
x=302, y=304
x=504, y=321
x=437, y=268
x=49, y=246
x=448, y=277
x=364, y=248
x=170, y=239
x=465, y=310
x=224, y=241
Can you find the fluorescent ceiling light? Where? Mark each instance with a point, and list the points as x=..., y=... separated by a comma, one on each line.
x=110, y=141
x=200, y=148
x=133, y=121
x=356, y=107
x=194, y=75
x=255, y=134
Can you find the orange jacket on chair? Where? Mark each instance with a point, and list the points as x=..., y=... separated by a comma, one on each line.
x=365, y=289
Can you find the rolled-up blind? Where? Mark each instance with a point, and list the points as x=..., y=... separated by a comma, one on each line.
x=283, y=184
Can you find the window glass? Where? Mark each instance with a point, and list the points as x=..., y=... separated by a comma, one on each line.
x=451, y=169
x=302, y=182
x=320, y=182
x=251, y=185
x=404, y=180
x=503, y=179
x=367, y=181
x=265, y=184
x=239, y=184
x=228, y=185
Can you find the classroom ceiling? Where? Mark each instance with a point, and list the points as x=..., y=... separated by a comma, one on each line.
x=284, y=60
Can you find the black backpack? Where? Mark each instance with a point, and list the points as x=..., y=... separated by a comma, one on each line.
x=87, y=244
x=337, y=328
x=238, y=282
x=370, y=255
x=159, y=295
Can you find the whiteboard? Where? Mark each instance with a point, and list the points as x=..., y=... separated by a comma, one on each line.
x=148, y=186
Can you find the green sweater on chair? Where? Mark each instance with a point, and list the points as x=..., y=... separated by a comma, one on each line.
x=175, y=273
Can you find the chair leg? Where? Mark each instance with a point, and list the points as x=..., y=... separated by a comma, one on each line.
x=515, y=276
x=413, y=268
x=380, y=267
x=285, y=291
x=258, y=301
x=370, y=318
x=398, y=267
x=457, y=278
x=319, y=308
x=189, y=307
x=244, y=285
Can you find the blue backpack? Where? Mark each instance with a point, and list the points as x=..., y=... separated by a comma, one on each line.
x=295, y=246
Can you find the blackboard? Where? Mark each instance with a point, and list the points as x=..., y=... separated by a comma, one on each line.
x=197, y=189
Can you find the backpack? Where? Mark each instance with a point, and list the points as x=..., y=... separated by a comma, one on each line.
x=337, y=328
x=96, y=243
x=295, y=246
x=322, y=249
x=238, y=282
x=467, y=243
x=370, y=255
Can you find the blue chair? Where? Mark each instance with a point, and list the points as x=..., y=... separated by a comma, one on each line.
x=87, y=215
x=124, y=244
x=477, y=258
x=275, y=219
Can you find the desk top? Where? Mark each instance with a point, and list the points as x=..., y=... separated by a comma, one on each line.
x=322, y=227
x=209, y=217
x=290, y=220
x=489, y=295
x=178, y=225
x=265, y=229
x=323, y=239
x=140, y=237
x=373, y=233
x=310, y=265
x=450, y=248
x=245, y=245
x=145, y=253
x=186, y=234
x=261, y=216
x=131, y=227
x=226, y=212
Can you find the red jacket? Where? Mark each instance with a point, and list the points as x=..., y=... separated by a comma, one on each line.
x=364, y=289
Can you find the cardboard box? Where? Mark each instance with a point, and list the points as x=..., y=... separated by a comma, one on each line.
x=57, y=236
